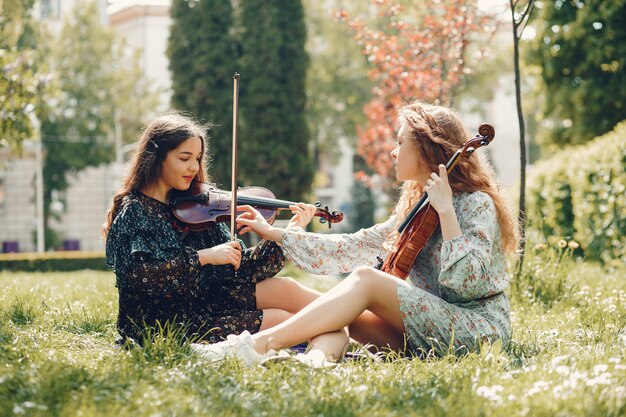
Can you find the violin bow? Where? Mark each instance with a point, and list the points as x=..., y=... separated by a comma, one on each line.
x=233, y=202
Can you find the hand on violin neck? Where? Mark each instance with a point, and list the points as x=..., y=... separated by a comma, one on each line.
x=302, y=214
x=440, y=198
x=439, y=192
x=252, y=221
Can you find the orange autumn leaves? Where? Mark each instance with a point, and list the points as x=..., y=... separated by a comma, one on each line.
x=417, y=52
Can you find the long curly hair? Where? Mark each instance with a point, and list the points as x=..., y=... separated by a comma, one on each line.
x=438, y=133
x=160, y=136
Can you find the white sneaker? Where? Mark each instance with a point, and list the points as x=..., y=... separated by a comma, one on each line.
x=237, y=346
x=313, y=359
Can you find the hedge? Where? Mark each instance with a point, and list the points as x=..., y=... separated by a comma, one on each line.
x=52, y=261
x=579, y=194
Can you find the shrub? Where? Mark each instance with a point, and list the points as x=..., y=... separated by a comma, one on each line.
x=579, y=194
x=52, y=261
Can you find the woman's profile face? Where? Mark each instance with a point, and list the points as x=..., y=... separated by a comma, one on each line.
x=181, y=164
x=408, y=161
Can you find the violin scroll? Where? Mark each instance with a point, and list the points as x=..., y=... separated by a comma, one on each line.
x=487, y=132
x=485, y=135
x=326, y=216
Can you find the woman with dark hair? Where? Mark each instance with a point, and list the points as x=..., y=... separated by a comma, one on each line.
x=454, y=295
x=187, y=279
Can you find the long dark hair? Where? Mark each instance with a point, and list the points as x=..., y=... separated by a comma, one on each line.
x=160, y=136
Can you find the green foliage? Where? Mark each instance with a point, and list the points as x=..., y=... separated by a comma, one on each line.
x=203, y=58
x=580, y=48
x=21, y=313
x=100, y=85
x=266, y=46
x=542, y=279
x=565, y=359
x=337, y=82
x=275, y=149
x=52, y=261
x=362, y=212
x=22, y=81
x=579, y=194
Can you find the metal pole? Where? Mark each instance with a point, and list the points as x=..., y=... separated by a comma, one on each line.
x=38, y=181
x=104, y=18
x=119, y=158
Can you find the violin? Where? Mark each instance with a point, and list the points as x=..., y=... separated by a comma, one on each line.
x=203, y=204
x=419, y=225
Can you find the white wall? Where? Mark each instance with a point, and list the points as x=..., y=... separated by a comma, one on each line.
x=17, y=207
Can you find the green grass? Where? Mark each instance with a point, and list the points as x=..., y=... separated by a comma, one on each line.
x=567, y=358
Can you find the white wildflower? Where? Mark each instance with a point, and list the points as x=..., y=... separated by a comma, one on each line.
x=598, y=369
x=538, y=387
x=562, y=370
x=490, y=393
x=602, y=379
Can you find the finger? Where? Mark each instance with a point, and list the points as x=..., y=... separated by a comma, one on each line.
x=235, y=261
x=443, y=172
x=244, y=230
x=245, y=215
x=434, y=176
x=235, y=245
x=248, y=209
x=243, y=221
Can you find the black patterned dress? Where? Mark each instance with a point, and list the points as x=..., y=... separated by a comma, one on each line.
x=159, y=277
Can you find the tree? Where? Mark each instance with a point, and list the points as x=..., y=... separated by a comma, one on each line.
x=418, y=54
x=203, y=58
x=97, y=80
x=337, y=82
x=22, y=79
x=520, y=16
x=580, y=48
x=275, y=149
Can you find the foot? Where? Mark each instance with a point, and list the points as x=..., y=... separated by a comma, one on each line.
x=236, y=346
x=313, y=359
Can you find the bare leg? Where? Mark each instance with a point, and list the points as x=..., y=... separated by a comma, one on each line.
x=369, y=328
x=331, y=345
x=272, y=317
x=365, y=288
x=283, y=293
x=288, y=296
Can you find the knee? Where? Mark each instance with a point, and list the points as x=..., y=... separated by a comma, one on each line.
x=363, y=276
x=288, y=284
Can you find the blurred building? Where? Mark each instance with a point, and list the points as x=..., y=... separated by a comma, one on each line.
x=145, y=24
x=17, y=200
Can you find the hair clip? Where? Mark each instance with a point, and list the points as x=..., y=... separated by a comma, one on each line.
x=154, y=143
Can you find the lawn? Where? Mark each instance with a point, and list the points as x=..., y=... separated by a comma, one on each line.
x=567, y=358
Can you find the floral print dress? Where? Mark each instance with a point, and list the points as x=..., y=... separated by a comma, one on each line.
x=454, y=295
x=159, y=277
